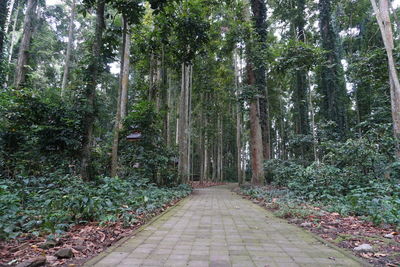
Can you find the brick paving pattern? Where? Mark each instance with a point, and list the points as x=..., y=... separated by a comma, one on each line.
x=218, y=228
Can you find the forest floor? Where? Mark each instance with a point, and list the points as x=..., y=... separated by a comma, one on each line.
x=84, y=241
x=348, y=232
x=216, y=227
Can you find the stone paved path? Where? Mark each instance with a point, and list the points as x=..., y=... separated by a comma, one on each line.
x=215, y=227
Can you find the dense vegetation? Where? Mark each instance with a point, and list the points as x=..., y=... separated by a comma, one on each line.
x=53, y=204
x=295, y=93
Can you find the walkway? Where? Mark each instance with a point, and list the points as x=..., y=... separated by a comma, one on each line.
x=216, y=227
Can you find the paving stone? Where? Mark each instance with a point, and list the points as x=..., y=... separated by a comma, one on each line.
x=218, y=228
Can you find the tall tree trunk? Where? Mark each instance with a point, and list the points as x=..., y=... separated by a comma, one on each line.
x=300, y=96
x=13, y=40
x=205, y=163
x=332, y=85
x=383, y=18
x=238, y=122
x=220, y=151
x=122, y=97
x=168, y=111
x=189, y=121
x=202, y=139
x=255, y=135
x=183, y=170
x=23, y=56
x=313, y=129
x=3, y=18
x=13, y=37
x=9, y=15
x=217, y=152
x=125, y=71
x=69, y=48
x=93, y=72
x=259, y=10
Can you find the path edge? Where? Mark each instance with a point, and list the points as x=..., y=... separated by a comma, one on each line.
x=320, y=239
x=104, y=253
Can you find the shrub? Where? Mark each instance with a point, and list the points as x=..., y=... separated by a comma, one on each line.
x=54, y=203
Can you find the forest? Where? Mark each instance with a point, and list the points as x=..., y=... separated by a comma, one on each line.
x=111, y=109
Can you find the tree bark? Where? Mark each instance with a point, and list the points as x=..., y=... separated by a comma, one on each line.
x=255, y=135
x=300, y=96
x=14, y=29
x=122, y=97
x=238, y=123
x=183, y=169
x=259, y=10
x=169, y=108
x=189, y=122
x=3, y=18
x=332, y=84
x=383, y=18
x=9, y=15
x=69, y=48
x=93, y=72
x=23, y=56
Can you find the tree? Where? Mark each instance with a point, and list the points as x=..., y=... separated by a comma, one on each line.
x=331, y=79
x=385, y=26
x=3, y=18
x=302, y=126
x=259, y=17
x=92, y=75
x=256, y=71
x=122, y=96
x=69, y=48
x=23, y=56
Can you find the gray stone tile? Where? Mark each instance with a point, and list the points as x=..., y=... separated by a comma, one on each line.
x=220, y=229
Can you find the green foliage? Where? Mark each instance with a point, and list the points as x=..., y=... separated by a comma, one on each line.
x=37, y=133
x=357, y=177
x=287, y=204
x=54, y=203
x=148, y=157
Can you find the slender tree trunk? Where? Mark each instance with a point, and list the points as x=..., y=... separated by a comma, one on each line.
x=13, y=37
x=300, y=96
x=125, y=72
x=206, y=160
x=69, y=48
x=220, y=151
x=122, y=97
x=169, y=107
x=238, y=122
x=383, y=18
x=189, y=122
x=9, y=15
x=23, y=57
x=214, y=161
x=158, y=85
x=217, y=152
x=150, y=97
x=94, y=70
x=3, y=21
x=202, y=140
x=183, y=170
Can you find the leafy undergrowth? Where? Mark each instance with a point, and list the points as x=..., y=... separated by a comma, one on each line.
x=344, y=231
x=69, y=213
x=197, y=184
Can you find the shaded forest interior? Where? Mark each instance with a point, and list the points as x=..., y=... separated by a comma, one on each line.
x=108, y=100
